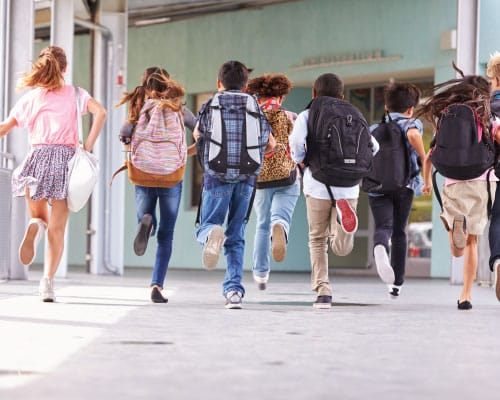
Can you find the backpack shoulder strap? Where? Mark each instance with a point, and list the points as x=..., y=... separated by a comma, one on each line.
x=122, y=168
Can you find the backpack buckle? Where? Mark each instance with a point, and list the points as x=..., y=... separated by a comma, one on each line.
x=349, y=120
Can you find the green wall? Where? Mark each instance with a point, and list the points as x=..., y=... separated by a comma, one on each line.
x=277, y=39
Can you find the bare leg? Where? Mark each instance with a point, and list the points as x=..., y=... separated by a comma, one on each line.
x=470, y=267
x=55, y=232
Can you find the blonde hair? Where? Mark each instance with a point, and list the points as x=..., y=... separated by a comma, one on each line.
x=493, y=67
x=47, y=71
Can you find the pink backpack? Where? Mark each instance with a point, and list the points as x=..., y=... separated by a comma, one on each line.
x=158, y=151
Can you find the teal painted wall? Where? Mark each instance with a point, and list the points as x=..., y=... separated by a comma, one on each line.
x=275, y=39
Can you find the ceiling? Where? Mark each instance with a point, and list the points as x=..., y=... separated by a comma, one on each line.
x=147, y=12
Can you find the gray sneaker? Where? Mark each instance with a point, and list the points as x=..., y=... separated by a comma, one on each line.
x=213, y=247
x=233, y=300
x=46, y=290
x=261, y=280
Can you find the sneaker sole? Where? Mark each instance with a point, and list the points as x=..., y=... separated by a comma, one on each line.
x=348, y=220
x=384, y=269
x=142, y=237
x=213, y=247
x=458, y=234
x=278, y=245
x=322, y=306
x=27, y=249
x=232, y=306
x=49, y=300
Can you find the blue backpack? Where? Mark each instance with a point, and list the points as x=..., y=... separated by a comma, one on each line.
x=232, y=147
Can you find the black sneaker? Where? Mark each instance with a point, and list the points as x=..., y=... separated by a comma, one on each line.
x=323, y=302
x=157, y=296
x=233, y=299
x=143, y=234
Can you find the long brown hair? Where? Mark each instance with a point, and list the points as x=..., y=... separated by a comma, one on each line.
x=155, y=84
x=472, y=90
x=47, y=71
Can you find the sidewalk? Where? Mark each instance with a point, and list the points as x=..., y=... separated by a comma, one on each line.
x=104, y=339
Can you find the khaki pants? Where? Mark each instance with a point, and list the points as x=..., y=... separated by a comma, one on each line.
x=324, y=228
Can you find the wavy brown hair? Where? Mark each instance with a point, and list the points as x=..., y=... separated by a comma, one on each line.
x=48, y=71
x=270, y=85
x=155, y=84
x=472, y=90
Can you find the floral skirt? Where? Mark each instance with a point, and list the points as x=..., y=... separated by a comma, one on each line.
x=44, y=172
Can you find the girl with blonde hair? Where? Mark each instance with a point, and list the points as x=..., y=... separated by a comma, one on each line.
x=49, y=112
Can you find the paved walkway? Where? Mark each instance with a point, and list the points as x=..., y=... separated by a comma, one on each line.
x=103, y=339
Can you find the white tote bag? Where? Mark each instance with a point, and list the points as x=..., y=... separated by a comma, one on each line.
x=83, y=169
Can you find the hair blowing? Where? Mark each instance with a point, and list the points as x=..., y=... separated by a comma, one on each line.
x=47, y=71
x=155, y=84
x=472, y=90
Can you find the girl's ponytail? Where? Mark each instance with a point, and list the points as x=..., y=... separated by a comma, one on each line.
x=136, y=100
x=47, y=72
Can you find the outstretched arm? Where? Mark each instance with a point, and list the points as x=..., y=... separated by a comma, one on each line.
x=7, y=125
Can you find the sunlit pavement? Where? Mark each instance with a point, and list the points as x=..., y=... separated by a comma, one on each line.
x=104, y=339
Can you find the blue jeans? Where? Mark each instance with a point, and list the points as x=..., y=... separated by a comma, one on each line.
x=231, y=199
x=168, y=200
x=494, y=232
x=391, y=213
x=271, y=206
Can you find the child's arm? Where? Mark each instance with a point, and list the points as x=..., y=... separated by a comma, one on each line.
x=7, y=125
x=99, y=114
x=427, y=188
x=415, y=140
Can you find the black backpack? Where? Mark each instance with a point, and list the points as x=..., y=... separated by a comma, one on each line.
x=339, y=147
x=392, y=168
x=456, y=151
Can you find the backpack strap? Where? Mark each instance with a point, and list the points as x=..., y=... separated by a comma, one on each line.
x=436, y=189
x=330, y=193
x=489, y=205
x=122, y=168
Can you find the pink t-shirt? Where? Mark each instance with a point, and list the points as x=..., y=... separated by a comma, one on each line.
x=50, y=115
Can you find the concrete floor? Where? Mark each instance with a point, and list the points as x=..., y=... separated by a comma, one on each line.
x=104, y=339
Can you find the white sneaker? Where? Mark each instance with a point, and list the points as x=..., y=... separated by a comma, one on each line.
x=32, y=236
x=384, y=268
x=213, y=247
x=394, y=291
x=261, y=280
x=233, y=300
x=46, y=290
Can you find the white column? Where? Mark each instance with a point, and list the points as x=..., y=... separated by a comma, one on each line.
x=108, y=202
x=61, y=34
x=20, y=30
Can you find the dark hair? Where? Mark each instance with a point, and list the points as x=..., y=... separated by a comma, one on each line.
x=47, y=71
x=473, y=90
x=399, y=97
x=233, y=75
x=329, y=85
x=155, y=84
x=270, y=85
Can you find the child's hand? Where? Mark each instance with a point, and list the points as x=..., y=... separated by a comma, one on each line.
x=427, y=188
